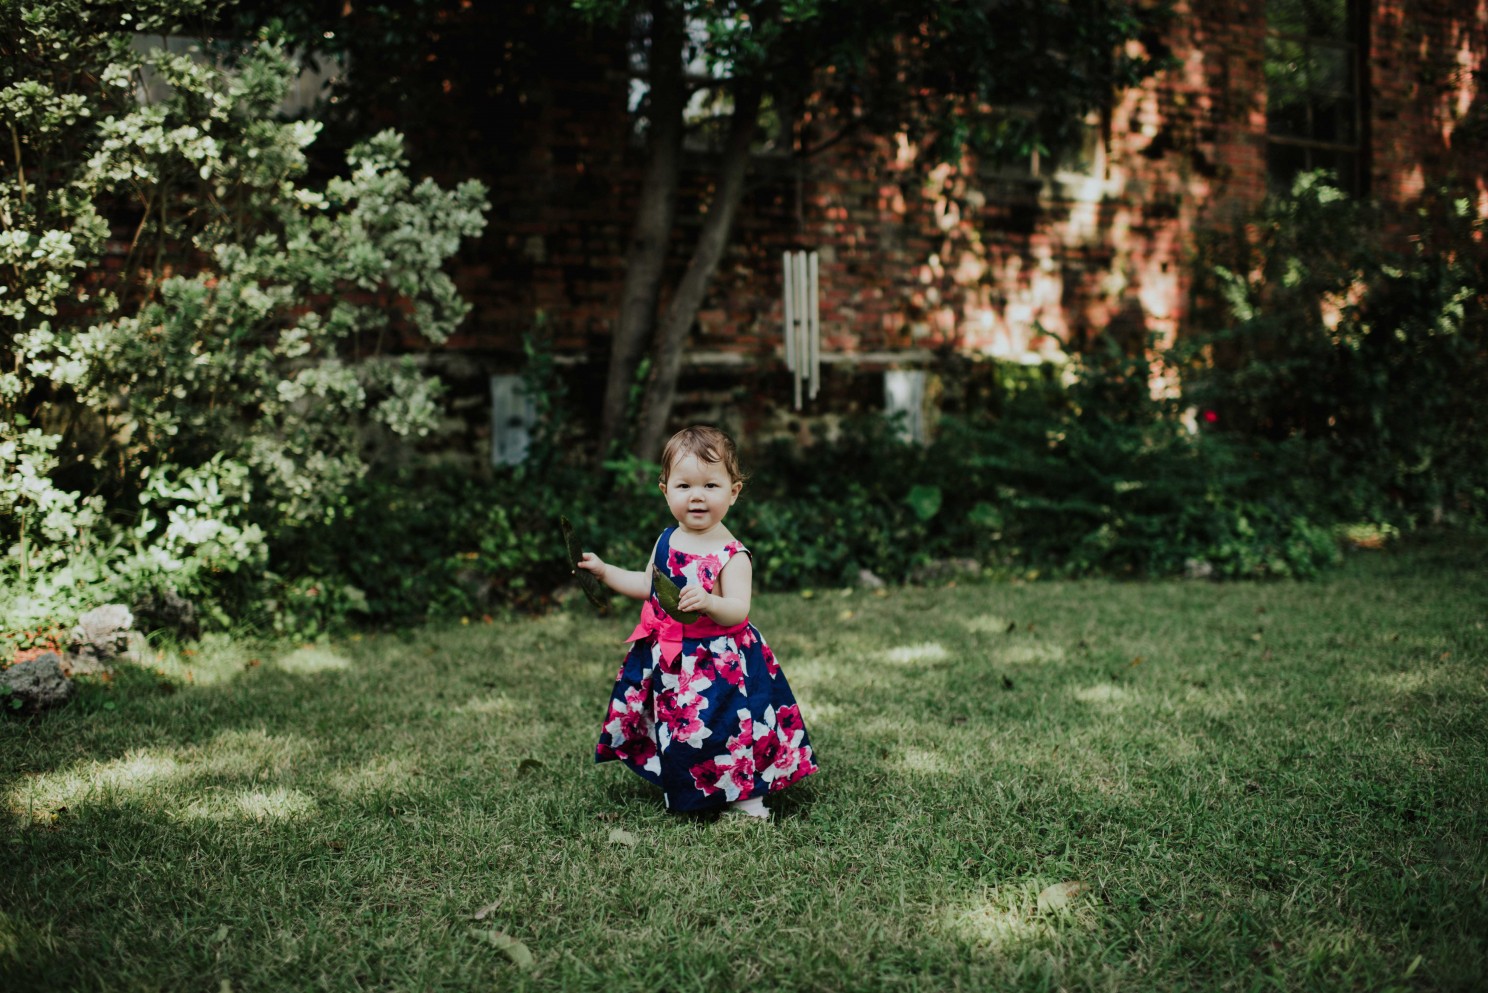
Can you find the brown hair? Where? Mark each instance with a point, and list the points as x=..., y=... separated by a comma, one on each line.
x=707, y=444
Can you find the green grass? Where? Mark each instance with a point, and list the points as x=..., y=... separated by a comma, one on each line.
x=1270, y=786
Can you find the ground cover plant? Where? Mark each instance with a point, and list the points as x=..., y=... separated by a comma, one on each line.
x=1062, y=784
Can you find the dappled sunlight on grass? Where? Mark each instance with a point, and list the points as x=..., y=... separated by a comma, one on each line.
x=164, y=778
x=1029, y=653
x=377, y=775
x=925, y=652
x=216, y=659
x=987, y=624
x=313, y=659
x=922, y=760
x=275, y=804
x=1014, y=915
x=38, y=797
x=235, y=753
x=808, y=672
x=824, y=712
x=495, y=703
x=1107, y=694
x=1427, y=679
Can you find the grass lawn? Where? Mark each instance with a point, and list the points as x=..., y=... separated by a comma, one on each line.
x=1266, y=786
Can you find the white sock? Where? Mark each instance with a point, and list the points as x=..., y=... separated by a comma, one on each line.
x=754, y=807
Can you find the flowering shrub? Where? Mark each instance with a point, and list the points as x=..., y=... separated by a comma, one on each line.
x=196, y=355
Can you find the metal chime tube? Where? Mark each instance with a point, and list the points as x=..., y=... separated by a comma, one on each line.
x=802, y=323
x=814, y=314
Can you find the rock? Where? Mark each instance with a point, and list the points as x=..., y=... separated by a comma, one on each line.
x=167, y=610
x=479, y=586
x=867, y=580
x=942, y=570
x=101, y=635
x=37, y=684
x=1198, y=569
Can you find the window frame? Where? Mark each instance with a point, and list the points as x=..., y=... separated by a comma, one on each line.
x=1352, y=44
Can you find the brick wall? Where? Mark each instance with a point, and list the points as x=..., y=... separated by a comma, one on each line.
x=921, y=261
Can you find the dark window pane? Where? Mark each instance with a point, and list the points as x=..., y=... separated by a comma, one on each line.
x=1329, y=69
x=1288, y=118
x=1327, y=18
x=1333, y=121
x=1283, y=163
x=1309, y=18
x=1287, y=16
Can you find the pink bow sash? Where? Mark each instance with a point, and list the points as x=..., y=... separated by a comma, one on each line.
x=668, y=631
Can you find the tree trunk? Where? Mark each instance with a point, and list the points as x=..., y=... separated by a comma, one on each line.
x=712, y=240
x=645, y=257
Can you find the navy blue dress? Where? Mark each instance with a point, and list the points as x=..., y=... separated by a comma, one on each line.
x=701, y=710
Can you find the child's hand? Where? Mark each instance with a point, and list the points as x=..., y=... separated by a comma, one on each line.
x=593, y=563
x=694, y=599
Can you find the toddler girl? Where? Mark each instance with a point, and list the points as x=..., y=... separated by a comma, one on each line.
x=701, y=709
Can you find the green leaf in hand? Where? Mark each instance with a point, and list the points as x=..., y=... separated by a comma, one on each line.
x=587, y=582
x=669, y=594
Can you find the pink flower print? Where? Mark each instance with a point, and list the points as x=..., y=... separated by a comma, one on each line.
x=630, y=730
x=694, y=674
x=676, y=561
x=766, y=748
x=748, y=637
x=706, y=776
x=706, y=570
x=771, y=666
x=730, y=668
x=679, y=720
x=788, y=722
x=788, y=760
x=731, y=774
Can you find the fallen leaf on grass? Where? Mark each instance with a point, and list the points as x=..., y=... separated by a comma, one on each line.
x=485, y=911
x=528, y=765
x=519, y=953
x=1059, y=896
x=620, y=836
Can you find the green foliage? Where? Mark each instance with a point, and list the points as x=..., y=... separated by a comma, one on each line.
x=1377, y=356
x=199, y=341
x=1061, y=481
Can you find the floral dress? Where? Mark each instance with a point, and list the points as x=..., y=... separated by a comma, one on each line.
x=702, y=710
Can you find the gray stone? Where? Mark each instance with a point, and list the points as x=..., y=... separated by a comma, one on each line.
x=38, y=684
x=101, y=635
x=167, y=610
x=105, y=628
x=944, y=570
x=867, y=580
x=1198, y=569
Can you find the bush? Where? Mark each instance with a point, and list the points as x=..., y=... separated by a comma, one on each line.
x=1377, y=356
x=168, y=414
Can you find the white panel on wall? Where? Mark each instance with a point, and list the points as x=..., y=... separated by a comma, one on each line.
x=904, y=398
x=512, y=418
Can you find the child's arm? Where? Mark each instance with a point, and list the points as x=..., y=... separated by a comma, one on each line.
x=729, y=604
x=636, y=585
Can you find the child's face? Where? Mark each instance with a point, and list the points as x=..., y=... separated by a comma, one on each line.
x=699, y=493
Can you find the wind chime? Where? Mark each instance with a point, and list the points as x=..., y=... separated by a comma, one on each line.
x=802, y=325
